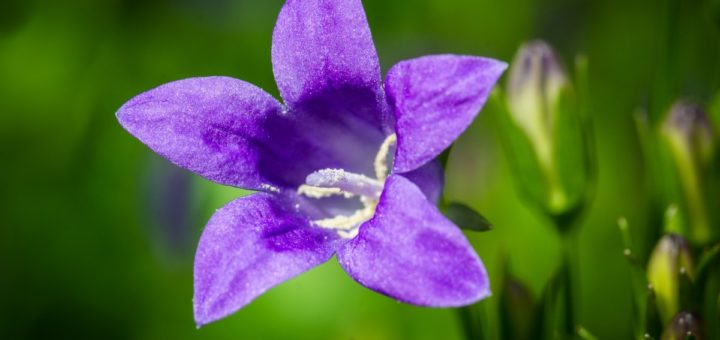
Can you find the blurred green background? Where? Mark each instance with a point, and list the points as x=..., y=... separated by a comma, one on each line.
x=97, y=234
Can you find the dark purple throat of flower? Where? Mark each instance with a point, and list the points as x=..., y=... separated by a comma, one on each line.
x=338, y=182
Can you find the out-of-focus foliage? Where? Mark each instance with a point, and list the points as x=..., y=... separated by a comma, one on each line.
x=83, y=254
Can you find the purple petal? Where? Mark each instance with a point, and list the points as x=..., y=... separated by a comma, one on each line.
x=249, y=246
x=435, y=98
x=326, y=66
x=233, y=133
x=206, y=125
x=430, y=179
x=410, y=252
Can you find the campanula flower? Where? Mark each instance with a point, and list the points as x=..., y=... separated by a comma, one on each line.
x=345, y=166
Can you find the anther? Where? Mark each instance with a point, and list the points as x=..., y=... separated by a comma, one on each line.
x=346, y=182
x=335, y=182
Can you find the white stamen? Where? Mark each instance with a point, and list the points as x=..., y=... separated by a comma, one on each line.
x=348, y=234
x=352, y=222
x=334, y=182
x=321, y=192
x=346, y=182
x=381, y=165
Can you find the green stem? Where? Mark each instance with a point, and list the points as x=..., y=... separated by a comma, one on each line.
x=560, y=304
x=567, y=270
x=471, y=322
x=711, y=311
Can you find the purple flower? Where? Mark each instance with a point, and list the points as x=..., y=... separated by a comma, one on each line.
x=344, y=167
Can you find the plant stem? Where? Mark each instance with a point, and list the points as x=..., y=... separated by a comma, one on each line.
x=567, y=270
x=471, y=322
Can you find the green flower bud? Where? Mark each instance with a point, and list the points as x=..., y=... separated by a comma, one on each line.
x=683, y=326
x=546, y=134
x=670, y=259
x=688, y=134
x=536, y=81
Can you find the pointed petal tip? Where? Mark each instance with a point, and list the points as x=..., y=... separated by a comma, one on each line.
x=198, y=316
x=434, y=99
x=213, y=126
x=483, y=294
x=202, y=320
x=122, y=113
x=497, y=67
x=250, y=245
x=203, y=314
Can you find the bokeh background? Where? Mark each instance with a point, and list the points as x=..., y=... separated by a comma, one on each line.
x=97, y=234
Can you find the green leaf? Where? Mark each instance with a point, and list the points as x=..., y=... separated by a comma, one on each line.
x=444, y=156
x=466, y=218
x=714, y=111
x=653, y=324
x=518, y=309
x=572, y=165
x=584, y=334
x=582, y=84
x=547, y=318
x=707, y=259
x=639, y=280
x=470, y=323
x=530, y=180
x=686, y=291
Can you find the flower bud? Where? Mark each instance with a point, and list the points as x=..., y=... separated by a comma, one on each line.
x=683, y=326
x=690, y=122
x=670, y=259
x=688, y=134
x=548, y=139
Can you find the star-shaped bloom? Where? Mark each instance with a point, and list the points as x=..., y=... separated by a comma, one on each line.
x=345, y=166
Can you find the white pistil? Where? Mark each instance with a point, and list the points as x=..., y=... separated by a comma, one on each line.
x=334, y=182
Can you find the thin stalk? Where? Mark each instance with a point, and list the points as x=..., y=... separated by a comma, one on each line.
x=471, y=319
x=568, y=294
x=561, y=308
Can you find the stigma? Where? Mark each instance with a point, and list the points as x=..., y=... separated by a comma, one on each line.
x=325, y=183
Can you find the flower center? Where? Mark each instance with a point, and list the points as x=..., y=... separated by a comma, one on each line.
x=338, y=182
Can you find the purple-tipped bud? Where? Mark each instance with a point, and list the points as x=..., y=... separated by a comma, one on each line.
x=689, y=121
x=670, y=259
x=533, y=90
x=689, y=136
x=683, y=326
x=551, y=147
